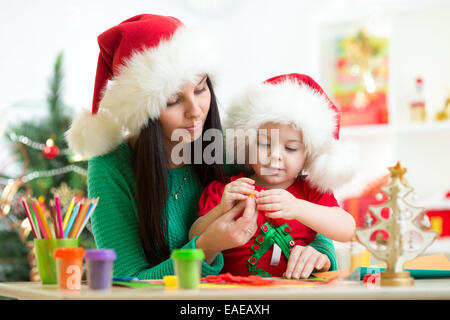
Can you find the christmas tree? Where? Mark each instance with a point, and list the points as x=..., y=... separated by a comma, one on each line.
x=46, y=153
x=47, y=169
x=402, y=235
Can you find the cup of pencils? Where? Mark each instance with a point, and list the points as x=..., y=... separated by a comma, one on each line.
x=58, y=231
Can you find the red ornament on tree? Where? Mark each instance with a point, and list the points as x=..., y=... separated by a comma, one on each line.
x=50, y=150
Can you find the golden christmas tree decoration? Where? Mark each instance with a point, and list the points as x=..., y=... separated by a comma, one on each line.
x=444, y=114
x=397, y=171
x=406, y=239
x=65, y=193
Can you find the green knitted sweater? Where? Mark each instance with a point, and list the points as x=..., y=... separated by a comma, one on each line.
x=115, y=220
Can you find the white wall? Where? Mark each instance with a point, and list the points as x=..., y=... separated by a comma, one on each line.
x=419, y=46
x=261, y=38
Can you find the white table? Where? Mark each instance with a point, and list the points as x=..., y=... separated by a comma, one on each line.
x=423, y=289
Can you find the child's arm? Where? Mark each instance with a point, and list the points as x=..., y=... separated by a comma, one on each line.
x=203, y=222
x=332, y=222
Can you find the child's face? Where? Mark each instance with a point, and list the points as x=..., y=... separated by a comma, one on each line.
x=281, y=153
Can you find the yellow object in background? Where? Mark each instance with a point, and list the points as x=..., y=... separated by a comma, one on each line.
x=170, y=281
x=365, y=258
x=359, y=259
x=445, y=113
x=436, y=224
x=418, y=113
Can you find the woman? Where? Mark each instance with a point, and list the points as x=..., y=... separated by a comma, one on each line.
x=161, y=81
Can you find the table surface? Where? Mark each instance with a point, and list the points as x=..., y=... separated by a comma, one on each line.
x=423, y=289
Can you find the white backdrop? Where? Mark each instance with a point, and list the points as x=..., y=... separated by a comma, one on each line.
x=261, y=38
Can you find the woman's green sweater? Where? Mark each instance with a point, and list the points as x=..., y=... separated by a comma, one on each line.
x=115, y=220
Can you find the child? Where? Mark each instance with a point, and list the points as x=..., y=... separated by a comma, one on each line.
x=299, y=161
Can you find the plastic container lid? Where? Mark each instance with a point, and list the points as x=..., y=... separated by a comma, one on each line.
x=69, y=252
x=100, y=254
x=188, y=254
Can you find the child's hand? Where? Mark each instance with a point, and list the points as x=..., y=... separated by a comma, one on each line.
x=304, y=260
x=237, y=190
x=279, y=202
x=227, y=232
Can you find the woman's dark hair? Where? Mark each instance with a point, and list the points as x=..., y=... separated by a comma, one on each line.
x=150, y=168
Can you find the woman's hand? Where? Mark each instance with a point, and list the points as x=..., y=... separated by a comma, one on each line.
x=235, y=191
x=280, y=203
x=304, y=260
x=226, y=232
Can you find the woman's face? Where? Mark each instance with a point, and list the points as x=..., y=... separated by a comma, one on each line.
x=186, y=110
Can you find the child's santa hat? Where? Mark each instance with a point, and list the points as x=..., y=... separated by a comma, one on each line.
x=146, y=58
x=297, y=99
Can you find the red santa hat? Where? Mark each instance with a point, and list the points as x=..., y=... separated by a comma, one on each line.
x=143, y=61
x=298, y=100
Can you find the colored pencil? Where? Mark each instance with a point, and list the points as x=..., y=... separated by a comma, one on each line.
x=88, y=215
x=79, y=220
x=59, y=217
x=36, y=225
x=68, y=213
x=53, y=214
x=39, y=220
x=43, y=219
x=74, y=215
x=89, y=209
x=30, y=218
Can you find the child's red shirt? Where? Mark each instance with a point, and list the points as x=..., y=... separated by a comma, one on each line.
x=236, y=259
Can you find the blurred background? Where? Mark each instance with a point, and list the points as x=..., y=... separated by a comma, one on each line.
x=385, y=63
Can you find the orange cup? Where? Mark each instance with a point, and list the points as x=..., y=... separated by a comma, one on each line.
x=69, y=264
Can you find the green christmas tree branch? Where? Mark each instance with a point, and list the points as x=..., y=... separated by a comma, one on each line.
x=53, y=125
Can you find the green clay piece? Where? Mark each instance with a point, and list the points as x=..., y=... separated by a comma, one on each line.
x=271, y=235
x=254, y=270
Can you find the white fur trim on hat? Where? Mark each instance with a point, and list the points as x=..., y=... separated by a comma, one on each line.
x=91, y=135
x=329, y=163
x=144, y=84
x=334, y=167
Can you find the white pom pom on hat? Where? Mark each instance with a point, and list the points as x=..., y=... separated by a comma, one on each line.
x=92, y=135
